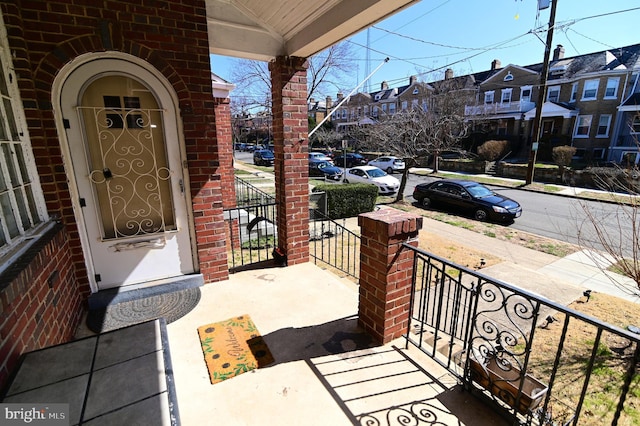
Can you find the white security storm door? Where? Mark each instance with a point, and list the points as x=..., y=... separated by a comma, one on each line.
x=128, y=171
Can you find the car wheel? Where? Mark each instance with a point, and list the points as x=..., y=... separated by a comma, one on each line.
x=389, y=170
x=426, y=202
x=480, y=215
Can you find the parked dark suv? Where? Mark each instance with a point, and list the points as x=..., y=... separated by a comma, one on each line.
x=352, y=160
x=263, y=157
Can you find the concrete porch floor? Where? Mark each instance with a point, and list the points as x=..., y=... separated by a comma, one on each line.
x=325, y=371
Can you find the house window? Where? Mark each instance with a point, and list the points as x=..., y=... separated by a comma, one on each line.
x=525, y=94
x=414, y=103
x=506, y=96
x=508, y=77
x=375, y=111
x=590, y=91
x=611, y=91
x=416, y=91
x=574, y=92
x=488, y=97
x=553, y=94
x=583, y=125
x=344, y=113
x=22, y=205
x=425, y=107
x=598, y=153
x=384, y=108
x=603, y=125
x=404, y=105
x=392, y=108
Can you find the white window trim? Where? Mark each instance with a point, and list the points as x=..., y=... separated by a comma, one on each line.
x=584, y=90
x=522, y=89
x=574, y=92
x=553, y=89
x=605, y=135
x=490, y=95
x=575, y=131
x=38, y=215
x=615, y=92
x=504, y=92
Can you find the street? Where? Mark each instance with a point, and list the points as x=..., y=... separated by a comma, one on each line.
x=548, y=215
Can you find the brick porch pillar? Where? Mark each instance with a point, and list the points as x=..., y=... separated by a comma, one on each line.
x=224, y=138
x=386, y=269
x=290, y=129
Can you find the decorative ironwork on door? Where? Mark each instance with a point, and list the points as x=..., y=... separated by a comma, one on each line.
x=129, y=168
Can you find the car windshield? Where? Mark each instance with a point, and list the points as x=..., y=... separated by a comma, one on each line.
x=479, y=191
x=374, y=173
x=266, y=154
x=323, y=164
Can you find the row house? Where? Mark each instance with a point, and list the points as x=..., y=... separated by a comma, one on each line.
x=589, y=103
x=367, y=108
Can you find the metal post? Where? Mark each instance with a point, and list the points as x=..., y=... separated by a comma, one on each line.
x=541, y=96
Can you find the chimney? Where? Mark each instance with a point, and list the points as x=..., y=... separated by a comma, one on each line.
x=328, y=102
x=558, y=52
x=340, y=95
x=496, y=64
x=448, y=74
x=384, y=86
x=412, y=80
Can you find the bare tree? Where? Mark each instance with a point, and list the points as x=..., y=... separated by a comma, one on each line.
x=417, y=133
x=253, y=80
x=619, y=248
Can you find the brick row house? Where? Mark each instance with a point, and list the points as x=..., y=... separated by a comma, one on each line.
x=116, y=156
x=591, y=103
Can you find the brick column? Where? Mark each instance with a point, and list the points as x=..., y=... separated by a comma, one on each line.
x=386, y=269
x=224, y=137
x=290, y=129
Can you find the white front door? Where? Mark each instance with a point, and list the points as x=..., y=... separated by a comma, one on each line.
x=124, y=146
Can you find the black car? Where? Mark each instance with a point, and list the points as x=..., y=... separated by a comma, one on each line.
x=352, y=160
x=467, y=197
x=263, y=157
x=321, y=168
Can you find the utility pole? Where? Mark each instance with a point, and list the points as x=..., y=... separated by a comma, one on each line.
x=537, y=124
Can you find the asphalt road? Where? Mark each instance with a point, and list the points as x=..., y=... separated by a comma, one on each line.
x=568, y=219
x=549, y=215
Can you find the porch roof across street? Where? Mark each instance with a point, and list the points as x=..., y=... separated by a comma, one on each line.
x=262, y=30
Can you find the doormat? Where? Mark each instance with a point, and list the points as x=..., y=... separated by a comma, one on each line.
x=232, y=347
x=170, y=305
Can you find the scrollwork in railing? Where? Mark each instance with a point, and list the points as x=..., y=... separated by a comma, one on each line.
x=414, y=414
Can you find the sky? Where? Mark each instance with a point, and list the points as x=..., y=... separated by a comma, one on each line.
x=467, y=35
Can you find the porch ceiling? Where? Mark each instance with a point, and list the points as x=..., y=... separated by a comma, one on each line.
x=262, y=30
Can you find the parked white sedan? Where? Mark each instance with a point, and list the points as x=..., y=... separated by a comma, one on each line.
x=388, y=163
x=386, y=184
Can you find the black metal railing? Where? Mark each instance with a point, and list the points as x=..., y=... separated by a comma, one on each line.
x=250, y=195
x=540, y=361
x=333, y=244
x=251, y=226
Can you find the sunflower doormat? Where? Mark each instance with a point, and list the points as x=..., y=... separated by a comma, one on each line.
x=232, y=347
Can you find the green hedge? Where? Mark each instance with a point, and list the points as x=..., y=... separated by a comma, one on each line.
x=349, y=200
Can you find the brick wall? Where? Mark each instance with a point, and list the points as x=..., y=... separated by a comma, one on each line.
x=172, y=36
x=291, y=146
x=386, y=270
x=39, y=304
x=225, y=151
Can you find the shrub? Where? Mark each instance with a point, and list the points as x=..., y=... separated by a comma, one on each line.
x=348, y=200
x=562, y=155
x=492, y=150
